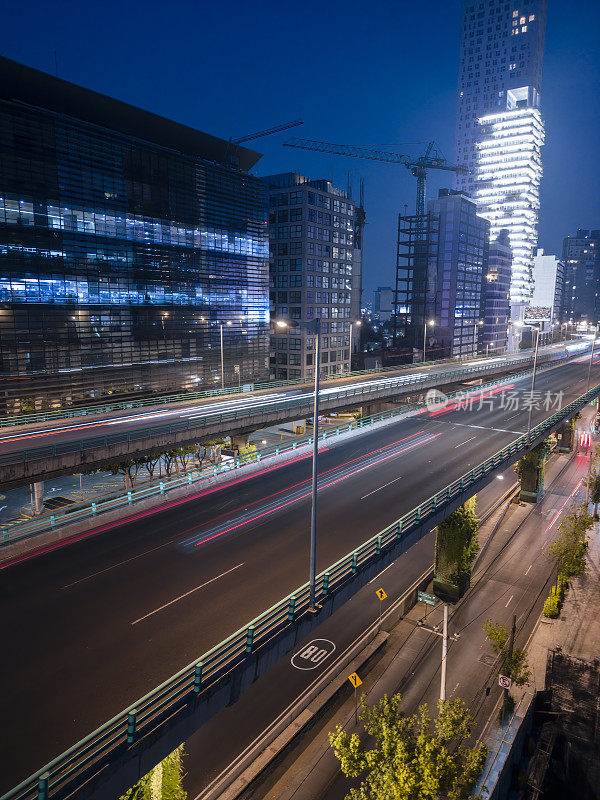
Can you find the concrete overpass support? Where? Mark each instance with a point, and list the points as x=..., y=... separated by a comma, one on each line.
x=37, y=497
x=239, y=441
x=565, y=436
x=531, y=469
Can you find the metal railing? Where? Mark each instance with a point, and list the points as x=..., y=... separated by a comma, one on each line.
x=12, y=420
x=303, y=405
x=19, y=530
x=130, y=725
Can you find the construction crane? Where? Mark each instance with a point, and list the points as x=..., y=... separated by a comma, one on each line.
x=418, y=167
x=232, y=145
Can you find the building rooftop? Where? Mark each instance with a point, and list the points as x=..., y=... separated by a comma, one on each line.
x=34, y=88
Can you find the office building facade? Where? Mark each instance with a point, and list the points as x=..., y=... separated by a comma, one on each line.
x=581, y=257
x=383, y=303
x=443, y=260
x=125, y=241
x=497, y=295
x=315, y=233
x=499, y=128
x=548, y=278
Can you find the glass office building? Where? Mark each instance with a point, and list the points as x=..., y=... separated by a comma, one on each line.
x=128, y=244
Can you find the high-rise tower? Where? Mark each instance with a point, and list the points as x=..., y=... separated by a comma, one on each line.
x=499, y=129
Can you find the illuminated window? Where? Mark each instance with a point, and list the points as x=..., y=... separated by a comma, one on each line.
x=522, y=21
x=515, y=13
x=524, y=29
x=531, y=17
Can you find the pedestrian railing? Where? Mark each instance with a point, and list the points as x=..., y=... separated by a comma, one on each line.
x=112, y=739
x=19, y=530
x=302, y=405
x=12, y=420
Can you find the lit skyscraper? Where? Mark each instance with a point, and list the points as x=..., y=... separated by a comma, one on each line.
x=499, y=129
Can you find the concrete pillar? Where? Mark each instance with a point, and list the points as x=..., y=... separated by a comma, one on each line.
x=565, y=436
x=532, y=468
x=37, y=497
x=239, y=441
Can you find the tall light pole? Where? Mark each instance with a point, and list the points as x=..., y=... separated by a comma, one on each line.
x=356, y=323
x=314, y=327
x=430, y=322
x=444, y=634
x=587, y=388
x=475, y=325
x=535, y=355
x=222, y=356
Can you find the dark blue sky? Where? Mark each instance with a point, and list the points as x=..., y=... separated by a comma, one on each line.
x=355, y=72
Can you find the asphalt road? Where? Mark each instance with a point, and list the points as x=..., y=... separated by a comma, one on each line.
x=89, y=628
x=14, y=441
x=515, y=574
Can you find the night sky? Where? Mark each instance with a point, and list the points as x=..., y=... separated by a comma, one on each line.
x=357, y=73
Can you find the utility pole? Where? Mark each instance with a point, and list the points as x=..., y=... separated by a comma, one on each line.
x=508, y=661
x=444, y=653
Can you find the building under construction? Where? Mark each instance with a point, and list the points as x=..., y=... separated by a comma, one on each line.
x=441, y=267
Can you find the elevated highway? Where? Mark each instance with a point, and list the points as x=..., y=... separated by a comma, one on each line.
x=92, y=629
x=65, y=446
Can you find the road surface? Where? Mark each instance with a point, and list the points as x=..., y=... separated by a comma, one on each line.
x=90, y=627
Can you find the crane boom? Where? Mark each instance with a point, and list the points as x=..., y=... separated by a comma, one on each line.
x=267, y=131
x=346, y=150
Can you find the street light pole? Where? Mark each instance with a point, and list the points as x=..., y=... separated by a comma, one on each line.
x=587, y=388
x=313, y=517
x=222, y=359
x=424, y=338
x=444, y=653
x=537, y=342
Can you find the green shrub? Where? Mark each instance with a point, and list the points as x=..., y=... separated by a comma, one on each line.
x=552, y=607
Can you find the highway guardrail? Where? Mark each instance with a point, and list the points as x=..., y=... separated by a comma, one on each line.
x=19, y=530
x=61, y=776
x=303, y=405
x=12, y=420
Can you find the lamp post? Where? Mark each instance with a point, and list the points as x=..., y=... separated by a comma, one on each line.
x=222, y=356
x=315, y=328
x=535, y=355
x=475, y=324
x=430, y=322
x=357, y=323
x=587, y=388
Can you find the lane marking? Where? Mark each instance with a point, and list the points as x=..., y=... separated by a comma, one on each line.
x=509, y=599
x=381, y=573
x=114, y=566
x=528, y=568
x=191, y=591
x=487, y=428
x=381, y=487
x=513, y=417
x=466, y=442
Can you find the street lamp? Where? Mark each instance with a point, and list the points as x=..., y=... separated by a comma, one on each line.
x=535, y=355
x=431, y=323
x=356, y=323
x=313, y=327
x=222, y=357
x=587, y=388
x=475, y=324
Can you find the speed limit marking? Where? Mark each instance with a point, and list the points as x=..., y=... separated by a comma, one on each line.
x=313, y=654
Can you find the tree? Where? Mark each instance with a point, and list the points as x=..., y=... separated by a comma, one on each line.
x=513, y=661
x=569, y=547
x=128, y=469
x=413, y=756
x=151, y=463
x=185, y=455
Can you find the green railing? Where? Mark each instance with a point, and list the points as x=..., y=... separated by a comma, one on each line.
x=12, y=420
x=302, y=405
x=115, y=737
x=17, y=531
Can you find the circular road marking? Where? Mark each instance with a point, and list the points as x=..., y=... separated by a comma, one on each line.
x=313, y=654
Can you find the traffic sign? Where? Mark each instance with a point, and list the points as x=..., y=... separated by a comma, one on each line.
x=423, y=597
x=354, y=680
x=381, y=594
x=504, y=681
